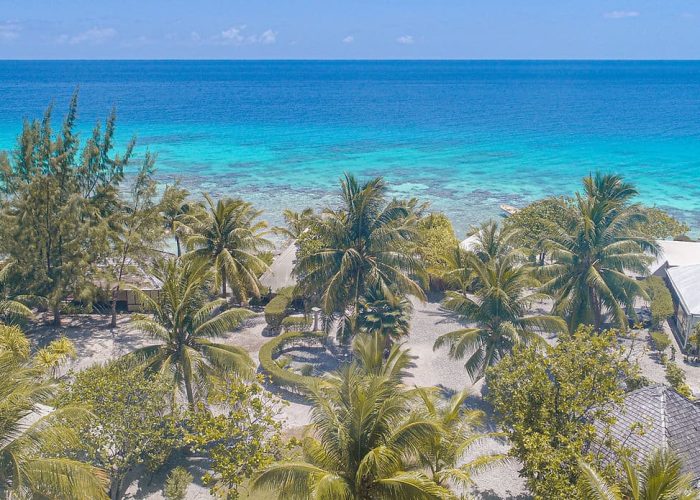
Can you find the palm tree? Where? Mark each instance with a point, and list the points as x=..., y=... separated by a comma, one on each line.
x=445, y=450
x=297, y=222
x=385, y=313
x=363, y=434
x=499, y=308
x=175, y=208
x=364, y=246
x=11, y=308
x=229, y=236
x=32, y=434
x=660, y=478
x=493, y=241
x=594, y=254
x=183, y=321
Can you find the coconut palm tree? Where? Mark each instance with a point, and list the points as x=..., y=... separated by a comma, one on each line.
x=229, y=235
x=175, y=208
x=184, y=321
x=362, y=437
x=32, y=434
x=493, y=241
x=297, y=222
x=364, y=246
x=500, y=310
x=594, y=254
x=444, y=452
x=661, y=477
x=385, y=313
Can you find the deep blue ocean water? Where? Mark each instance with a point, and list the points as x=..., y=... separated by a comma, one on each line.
x=464, y=135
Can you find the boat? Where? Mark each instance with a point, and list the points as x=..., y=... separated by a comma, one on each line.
x=509, y=209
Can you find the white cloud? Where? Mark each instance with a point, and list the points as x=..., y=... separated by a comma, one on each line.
x=268, y=37
x=236, y=35
x=620, y=14
x=9, y=30
x=405, y=40
x=349, y=39
x=93, y=35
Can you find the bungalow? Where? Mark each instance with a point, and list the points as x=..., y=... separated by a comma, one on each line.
x=657, y=417
x=678, y=263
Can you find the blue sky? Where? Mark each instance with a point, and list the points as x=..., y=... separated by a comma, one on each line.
x=358, y=29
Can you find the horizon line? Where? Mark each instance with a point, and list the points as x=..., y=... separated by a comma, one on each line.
x=174, y=59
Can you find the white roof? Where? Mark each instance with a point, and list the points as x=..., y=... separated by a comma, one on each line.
x=686, y=282
x=469, y=243
x=676, y=254
x=279, y=274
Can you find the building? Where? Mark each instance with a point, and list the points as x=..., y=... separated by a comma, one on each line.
x=678, y=263
x=658, y=417
x=684, y=283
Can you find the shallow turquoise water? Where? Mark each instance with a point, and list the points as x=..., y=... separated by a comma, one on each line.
x=466, y=136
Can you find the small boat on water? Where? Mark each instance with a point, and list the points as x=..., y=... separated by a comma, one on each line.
x=509, y=209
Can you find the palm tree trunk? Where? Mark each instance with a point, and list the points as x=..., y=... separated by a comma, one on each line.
x=56, y=315
x=188, y=391
x=115, y=487
x=113, y=322
x=177, y=243
x=223, y=286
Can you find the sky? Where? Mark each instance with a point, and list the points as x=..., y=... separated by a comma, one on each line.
x=357, y=29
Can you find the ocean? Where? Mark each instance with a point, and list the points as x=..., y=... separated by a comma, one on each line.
x=464, y=135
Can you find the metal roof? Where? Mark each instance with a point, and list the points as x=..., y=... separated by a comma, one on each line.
x=686, y=282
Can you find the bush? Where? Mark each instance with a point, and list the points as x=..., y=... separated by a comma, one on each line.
x=661, y=341
x=436, y=235
x=296, y=323
x=661, y=300
x=176, y=484
x=306, y=369
x=276, y=309
x=676, y=379
x=278, y=375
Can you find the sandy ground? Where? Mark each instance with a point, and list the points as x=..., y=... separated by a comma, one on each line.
x=96, y=343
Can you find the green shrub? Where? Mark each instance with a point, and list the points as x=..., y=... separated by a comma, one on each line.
x=276, y=309
x=176, y=484
x=661, y=341
x=676, y=379
x=296, y=323
x=661, y=302
x=278, y=375
x=306, y=369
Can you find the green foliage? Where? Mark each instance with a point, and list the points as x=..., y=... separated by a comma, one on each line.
x=59, y=201
x=676, y=379
x=243, y=439
x=231, y=237
x=363, y=433
x=134, y=421
x=296, y=323
x=660, y=477
x=500, y=311
x=276, y=309
x=435, y=236
x=298, y=222
x=365, y=245
x=661, y=302
x=594, y=252
x=176, y=484
x=444, y=452
x=660, y=340
x=134, y=233
x=280, y=375
x=183, y=322
x=547, y=405
x=35, y=437
x=661, y=225
x=385, y=313
x=174, y=210
x=533, y=223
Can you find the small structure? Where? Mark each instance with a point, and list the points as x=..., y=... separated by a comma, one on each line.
x=279, y=274
x=678, y=263
x=658, y=417
x=684, y=283
x=675, y=254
